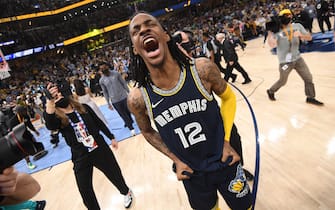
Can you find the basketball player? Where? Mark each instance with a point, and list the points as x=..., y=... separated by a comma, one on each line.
x=186, y=45
x=177, y=94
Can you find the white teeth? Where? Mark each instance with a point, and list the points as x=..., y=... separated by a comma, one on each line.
x=148, y=40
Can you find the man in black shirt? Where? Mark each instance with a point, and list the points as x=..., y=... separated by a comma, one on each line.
x=322, y=13
x=227, y=49
x=213, y=53
x=301, y=16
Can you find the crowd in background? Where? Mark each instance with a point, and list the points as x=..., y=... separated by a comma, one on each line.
x=36, y=32
x=20, y=7
x=242, y=20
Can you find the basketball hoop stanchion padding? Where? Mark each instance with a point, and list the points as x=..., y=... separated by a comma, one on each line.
x=257, y=162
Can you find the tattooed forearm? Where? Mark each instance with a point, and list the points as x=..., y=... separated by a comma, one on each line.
x=157, y=142
x=137, y=107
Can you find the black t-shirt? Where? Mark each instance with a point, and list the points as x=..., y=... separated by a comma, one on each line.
x=93, y=124
x=209, y=45
x=322, y=8
x=214, y=45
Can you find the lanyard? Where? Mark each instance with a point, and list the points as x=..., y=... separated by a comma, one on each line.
x=21, y=119
x=79, y=127
x=289, y=35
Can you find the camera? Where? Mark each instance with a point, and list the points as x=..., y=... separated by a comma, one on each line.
x=63, y=87
x=16, y=145
x=273, y=25
x=177, y=38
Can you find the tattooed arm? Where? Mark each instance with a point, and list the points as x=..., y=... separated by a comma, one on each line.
x=137, y=107
x=213, y=82
x=210, y=76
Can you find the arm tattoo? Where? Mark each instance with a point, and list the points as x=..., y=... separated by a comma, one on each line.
x=210, y=76
x=138, y=108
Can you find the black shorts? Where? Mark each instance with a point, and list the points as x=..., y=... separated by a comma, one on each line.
x=202, y=189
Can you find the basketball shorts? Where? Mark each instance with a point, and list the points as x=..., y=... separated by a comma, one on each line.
x=230, y=181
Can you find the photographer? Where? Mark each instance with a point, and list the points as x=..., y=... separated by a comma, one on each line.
x=16, y=189
x=81, y=128
x=287, y=41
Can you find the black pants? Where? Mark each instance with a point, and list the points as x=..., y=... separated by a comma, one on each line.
x=218, y=63
x=322, y=19
x=122, y=108
x=238, y=67
x=103, y=159
x=310, y=24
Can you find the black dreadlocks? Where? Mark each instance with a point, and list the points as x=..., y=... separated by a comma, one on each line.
x=139, y=71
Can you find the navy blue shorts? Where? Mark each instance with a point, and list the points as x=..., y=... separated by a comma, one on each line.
x=202, y=189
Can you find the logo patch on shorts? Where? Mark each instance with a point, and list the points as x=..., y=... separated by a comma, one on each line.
x=239, y=184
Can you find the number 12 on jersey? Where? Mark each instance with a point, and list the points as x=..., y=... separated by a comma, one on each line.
x=193, y=131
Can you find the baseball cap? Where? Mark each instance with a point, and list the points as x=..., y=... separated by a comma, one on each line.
x=285, y=12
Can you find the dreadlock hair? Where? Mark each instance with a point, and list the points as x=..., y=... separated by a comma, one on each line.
x=138, y=69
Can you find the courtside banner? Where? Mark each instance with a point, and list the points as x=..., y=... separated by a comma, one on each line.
x=4, y=68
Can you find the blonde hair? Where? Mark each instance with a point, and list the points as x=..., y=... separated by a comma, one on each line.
x=62, y=116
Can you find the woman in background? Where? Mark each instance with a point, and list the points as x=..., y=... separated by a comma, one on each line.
x=81, y=128
x=84, y=95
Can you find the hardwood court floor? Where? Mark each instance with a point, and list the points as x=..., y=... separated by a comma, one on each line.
x=297, y=144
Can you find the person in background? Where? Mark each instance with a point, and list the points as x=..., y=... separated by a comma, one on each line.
x=3, y=123
x=94, y=83
x=287, y=41
x=84, y=95
x=301, y=16
x=81, y=127
x=22, y=116
x=311, y=11
x=227, y=50
x=115, y=90
x=213, y=52
x=322, y=14
x=176, y=94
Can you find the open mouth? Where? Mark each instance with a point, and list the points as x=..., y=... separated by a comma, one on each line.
x=150, y=44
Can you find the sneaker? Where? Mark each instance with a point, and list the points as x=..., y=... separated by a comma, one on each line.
x=314, y=101
x=31, y=166
x=248, y=175
x=271, y=95
x=40, y=154
x=128, y=199
x=233, y=76
x=40, y=205
x=246, y=81
x=133, y=133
